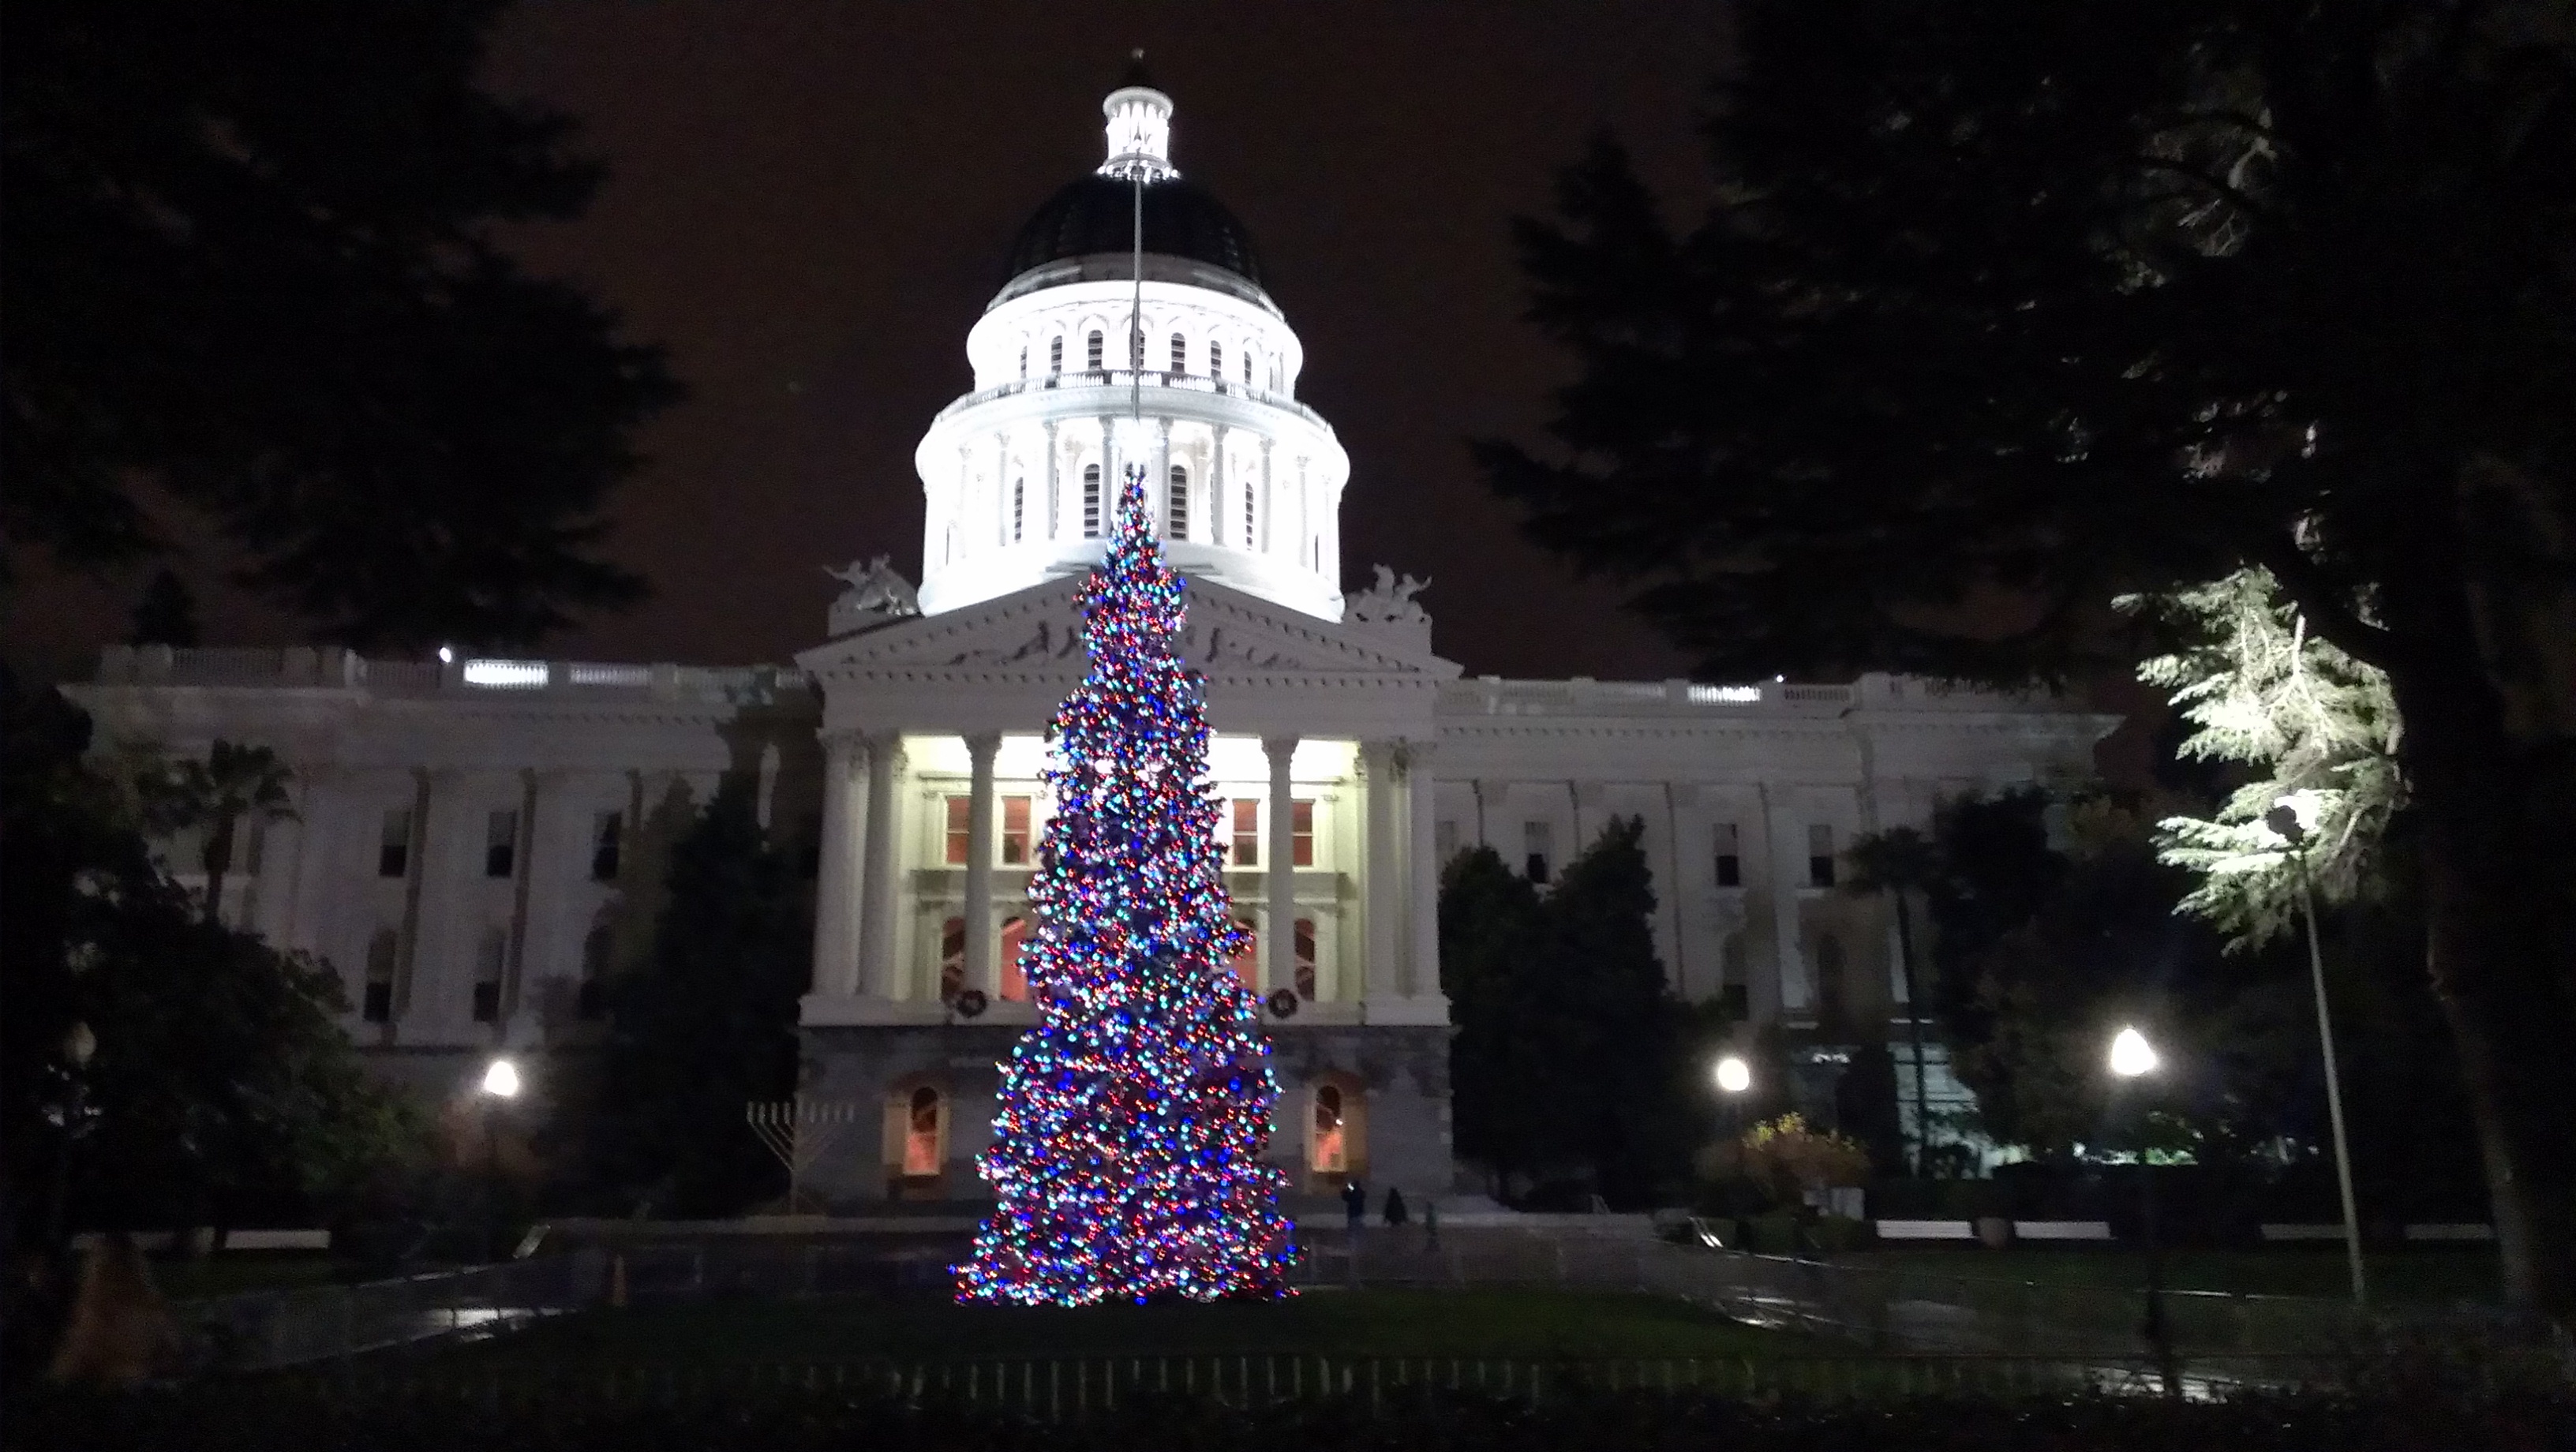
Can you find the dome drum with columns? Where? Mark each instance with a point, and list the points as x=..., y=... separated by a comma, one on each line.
x=478, y=841
x=1085, y=364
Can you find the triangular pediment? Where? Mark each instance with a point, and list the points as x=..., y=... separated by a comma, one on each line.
x=1039, y=631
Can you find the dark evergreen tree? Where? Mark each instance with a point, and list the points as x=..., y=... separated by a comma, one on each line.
x=167, y=613
x=250, y=259
x=707, y=1024
x=2002, y=309
x=1506, y=1109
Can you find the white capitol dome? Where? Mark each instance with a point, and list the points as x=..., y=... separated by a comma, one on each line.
x=1081, y=371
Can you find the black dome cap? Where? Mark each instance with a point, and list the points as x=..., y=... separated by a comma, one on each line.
x=1097, y=214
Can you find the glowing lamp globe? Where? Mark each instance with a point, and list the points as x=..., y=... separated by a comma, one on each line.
x=501, y=1079
x=2132, y=1055
x=1734, y=1075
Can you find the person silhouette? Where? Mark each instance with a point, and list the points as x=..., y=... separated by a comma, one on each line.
x=1394, y=1207
x=1355, y=1204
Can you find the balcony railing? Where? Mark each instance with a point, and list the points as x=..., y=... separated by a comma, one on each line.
x=306, y=666
x=1111, y=378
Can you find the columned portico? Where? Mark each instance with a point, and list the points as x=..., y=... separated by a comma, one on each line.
x=1278, y=944
x=981, y=970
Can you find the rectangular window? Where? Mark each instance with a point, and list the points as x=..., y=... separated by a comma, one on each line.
x=500, y=844
x=607, y=845
x=1247, y=832
x=487, y=976
x=1176, y=503
x=1180, y=354
x=1302, y=948
x=1301, y=833
x=1730, y=861
x=1091, y=352
x=1820, y=856
x=961, y=817
x=1537, y=845
x=1091, y=501
x=1055, y=356
x=1216, y=359
x=1250, y=540
x=379, y=1004
x=1444, y=841
x=393, y=849
x=1015, y=831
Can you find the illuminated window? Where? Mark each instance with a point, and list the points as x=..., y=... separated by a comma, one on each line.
x=952, y=959
x=1730, y=862
x=1246, y=961
x=961, y=823
x=1015, y=973
x=1180, y=354
x=1247, y=832
x=500, y=844
x=924, y=1134
x=1091, y=351
x=1302, y=951
x=1176, y=503
x=1216, y=359
x=1301, y=833
x=1015, y=831
x=1820, y=856
x=1336, y=1133
x=393, y=849
x=1537, y=844
x=1019, y=506
x=382, y=951
x=1091, y=501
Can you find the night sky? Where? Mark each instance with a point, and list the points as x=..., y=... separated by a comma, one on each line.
x=808, y=205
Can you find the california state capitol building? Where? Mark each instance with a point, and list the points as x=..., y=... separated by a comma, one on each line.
x=479, y=842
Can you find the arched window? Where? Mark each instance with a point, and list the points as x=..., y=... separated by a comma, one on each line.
x=952, y=959
x=1092, y=351
x=1024, y=360
x=1247, y=368
x=1055, y=356
x=925, y=1133
x=1091, y=501
x=1019, y=507
x=1176, y=504
x=1830, y=973
x=383, y=950
x=1251, y=540
x=1274, y=375
x=1303, y=950
x=1330, y=1150
x=1336, y=1132
x=1180, y=354
x=1216, y=359
x=1015, y=973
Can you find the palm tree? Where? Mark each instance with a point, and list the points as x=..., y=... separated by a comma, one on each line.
x=1897, y=862
x=232, y=784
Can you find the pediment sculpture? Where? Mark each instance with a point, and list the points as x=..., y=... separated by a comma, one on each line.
x=875, y=592
x=1388, y=602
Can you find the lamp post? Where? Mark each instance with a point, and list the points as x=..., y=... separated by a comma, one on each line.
x=2133, y=1058
x=500, y=1085
x=79, y=1043
x=1734, y=1076
x=2285, y=819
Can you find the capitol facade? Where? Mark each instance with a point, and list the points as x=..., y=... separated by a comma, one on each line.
x=479, y=842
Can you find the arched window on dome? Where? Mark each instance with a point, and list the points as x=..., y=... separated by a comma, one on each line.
x=1247, y=368
x=1091, y=501
x=1216, y=359
x=1055, y=359
x=1176, y=504
x=1092, y=351
x=1180, y=354
x=1024, y=361
x=1019, y=507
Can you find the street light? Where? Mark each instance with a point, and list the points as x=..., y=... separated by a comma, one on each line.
x=2289, y=819
x=1733, y=1074
x=2133, y=1058
x=500, y=1086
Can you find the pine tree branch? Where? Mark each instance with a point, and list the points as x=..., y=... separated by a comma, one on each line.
x=2326, y=603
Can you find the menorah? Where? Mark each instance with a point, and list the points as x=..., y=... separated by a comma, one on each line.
x=797, y=1131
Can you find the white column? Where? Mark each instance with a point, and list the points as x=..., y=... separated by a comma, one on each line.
x=1279, y=944
x=1422, y=899
x=837, y=891
x=1381, y=888
x=433, y=995
x=1785, y=862
x=980, y=969
x=878, y=904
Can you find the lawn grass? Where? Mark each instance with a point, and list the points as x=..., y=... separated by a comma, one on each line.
x=1468, y=1323
x=2428, y=1275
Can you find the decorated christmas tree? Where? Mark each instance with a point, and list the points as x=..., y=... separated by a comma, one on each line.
x=1127, y=1152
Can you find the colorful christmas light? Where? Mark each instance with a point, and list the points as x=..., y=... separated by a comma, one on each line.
x=1127, y=1151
